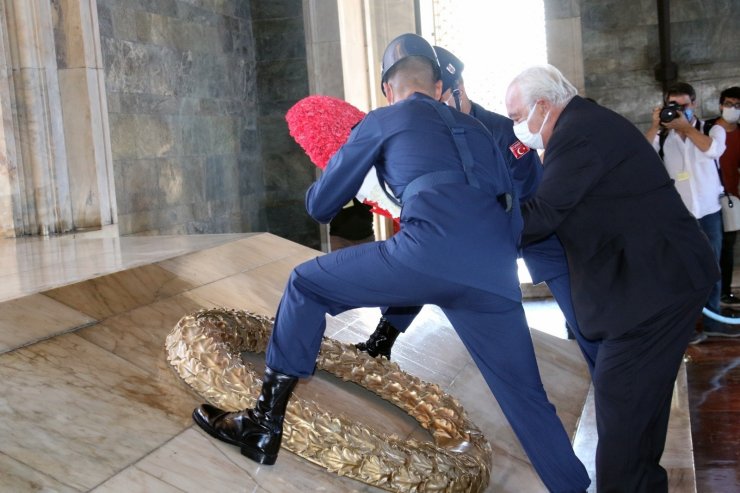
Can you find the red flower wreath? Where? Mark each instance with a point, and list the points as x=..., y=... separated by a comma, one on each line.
x=321, y=125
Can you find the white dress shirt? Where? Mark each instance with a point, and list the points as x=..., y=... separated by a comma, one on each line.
x=695, y=172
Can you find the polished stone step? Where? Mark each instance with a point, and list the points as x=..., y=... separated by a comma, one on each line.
x=90, y=404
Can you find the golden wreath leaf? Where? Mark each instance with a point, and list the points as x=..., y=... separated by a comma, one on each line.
x=204, y=349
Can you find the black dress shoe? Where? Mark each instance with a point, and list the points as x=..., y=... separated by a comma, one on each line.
x=259, y=431
x=381, y=341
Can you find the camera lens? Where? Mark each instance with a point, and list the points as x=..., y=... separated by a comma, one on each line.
x=670, y=112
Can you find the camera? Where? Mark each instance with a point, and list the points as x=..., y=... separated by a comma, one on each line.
x=670, y=112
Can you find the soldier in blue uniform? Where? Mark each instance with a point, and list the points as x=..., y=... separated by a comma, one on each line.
x=545, y=259
x=457, y=248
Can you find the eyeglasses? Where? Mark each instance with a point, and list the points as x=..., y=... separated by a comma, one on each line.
x=728, y=104
x=683, y=106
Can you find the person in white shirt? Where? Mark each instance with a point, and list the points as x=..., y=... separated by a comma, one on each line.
x=690, y=156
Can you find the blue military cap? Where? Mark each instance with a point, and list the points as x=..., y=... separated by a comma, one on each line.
x=404, y=46
x=451, y=68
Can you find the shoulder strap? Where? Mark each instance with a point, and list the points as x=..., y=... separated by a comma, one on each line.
x=443, y=176
x=708, y=124
x=661, y=141
x=448, y=176
x=506, y=199
x=458, y=135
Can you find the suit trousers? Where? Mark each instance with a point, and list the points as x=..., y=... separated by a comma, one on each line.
x=633, y=384
x=492, y=328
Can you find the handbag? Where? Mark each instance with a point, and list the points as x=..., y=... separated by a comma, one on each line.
x=730, y=212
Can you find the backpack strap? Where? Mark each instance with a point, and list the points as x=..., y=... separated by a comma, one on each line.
x=708, y=124
x=707, y=127
x=661, y=141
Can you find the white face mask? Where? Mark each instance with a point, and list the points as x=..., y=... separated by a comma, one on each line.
x=521, y=130
x=730, y=115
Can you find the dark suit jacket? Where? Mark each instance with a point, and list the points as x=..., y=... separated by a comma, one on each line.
x=632, y=245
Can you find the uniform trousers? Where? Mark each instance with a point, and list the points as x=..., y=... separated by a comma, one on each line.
x=492, y=328
x=546, y=263
x=633, y=385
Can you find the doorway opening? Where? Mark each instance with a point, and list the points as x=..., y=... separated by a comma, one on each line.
x=494, y=39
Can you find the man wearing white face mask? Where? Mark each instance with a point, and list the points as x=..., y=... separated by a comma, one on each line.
x=690, y=155
x=729, y=104
x=533, y=140
x=640, y=267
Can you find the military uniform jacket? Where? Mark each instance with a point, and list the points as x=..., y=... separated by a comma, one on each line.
x=454, y=231
x=524, y=163
x=526, y=172
x=632, y=245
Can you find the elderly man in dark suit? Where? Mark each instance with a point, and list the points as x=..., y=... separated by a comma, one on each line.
x=640, y=267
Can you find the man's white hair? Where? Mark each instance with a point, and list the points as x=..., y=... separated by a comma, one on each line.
x=544, y=82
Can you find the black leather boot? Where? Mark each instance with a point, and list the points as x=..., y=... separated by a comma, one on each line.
x=257, y=431
x=381, y=341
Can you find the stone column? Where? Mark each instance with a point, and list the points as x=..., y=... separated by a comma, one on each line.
x=85, y=113
x=34, y=172
x=564, y=43
x=10, y=207
x=366, y=28
x=324, y=58
x=385, y=19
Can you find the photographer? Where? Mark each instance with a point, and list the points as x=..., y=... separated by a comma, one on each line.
x=689, y=156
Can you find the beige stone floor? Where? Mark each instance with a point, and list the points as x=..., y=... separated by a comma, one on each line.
x=88, y=402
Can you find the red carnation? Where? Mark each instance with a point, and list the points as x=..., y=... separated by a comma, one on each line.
x=321, y=125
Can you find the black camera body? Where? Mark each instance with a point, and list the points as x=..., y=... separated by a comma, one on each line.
x=670, y=112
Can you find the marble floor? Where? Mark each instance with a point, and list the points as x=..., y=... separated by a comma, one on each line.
x=89, y=403
x=713, y=373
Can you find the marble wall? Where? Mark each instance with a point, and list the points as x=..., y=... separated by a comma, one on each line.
x=167, y=116
x=34, y=177
x=179, y=81
x=196, y=93
x=613, y=47
x=281, y=75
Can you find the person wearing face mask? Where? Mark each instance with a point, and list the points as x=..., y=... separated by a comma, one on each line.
x=690, y=155
x=729, y=104
x=640, y=267
x=545, y=260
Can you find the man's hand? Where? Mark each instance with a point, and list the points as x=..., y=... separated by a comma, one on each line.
x=656, y=117
x=680, y=124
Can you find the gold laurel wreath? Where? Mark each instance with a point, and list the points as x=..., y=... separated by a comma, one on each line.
x=205, y=350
